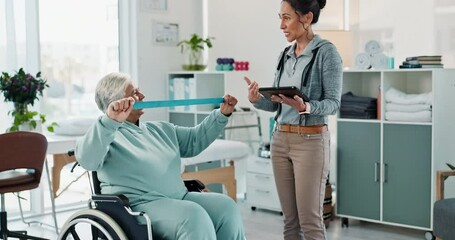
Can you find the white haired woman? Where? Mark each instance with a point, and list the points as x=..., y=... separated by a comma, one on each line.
x=142, y=162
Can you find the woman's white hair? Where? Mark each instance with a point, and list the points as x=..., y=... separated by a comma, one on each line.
x=111, y=88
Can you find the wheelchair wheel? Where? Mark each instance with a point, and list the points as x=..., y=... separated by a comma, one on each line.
x=91, y=224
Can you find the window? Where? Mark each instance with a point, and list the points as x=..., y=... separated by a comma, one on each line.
x=79, y=43
x=13, y=47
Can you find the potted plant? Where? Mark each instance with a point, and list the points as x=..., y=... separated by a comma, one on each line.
x=194, y=47
x=23, y=89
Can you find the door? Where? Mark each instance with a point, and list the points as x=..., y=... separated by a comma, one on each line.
x=407, y=174
x=358, y=162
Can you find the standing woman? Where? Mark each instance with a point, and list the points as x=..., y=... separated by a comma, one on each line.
x=301, y=141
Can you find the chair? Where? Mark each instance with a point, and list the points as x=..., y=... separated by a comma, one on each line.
x=22, y=159
x=110, y=216
x=444, y=209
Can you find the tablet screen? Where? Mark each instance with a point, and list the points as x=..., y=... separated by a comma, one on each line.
x=290, y=91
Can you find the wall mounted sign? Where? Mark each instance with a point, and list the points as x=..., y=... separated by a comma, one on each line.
x=165, y=33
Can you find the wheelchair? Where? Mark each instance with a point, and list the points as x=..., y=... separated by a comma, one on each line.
x=109, y=217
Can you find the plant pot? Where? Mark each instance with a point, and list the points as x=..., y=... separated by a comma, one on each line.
x=197, y=67
x=28, y=127
x=193, y=61
x=25, y=119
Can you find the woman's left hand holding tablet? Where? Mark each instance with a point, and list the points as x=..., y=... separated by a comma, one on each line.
x=296, y=102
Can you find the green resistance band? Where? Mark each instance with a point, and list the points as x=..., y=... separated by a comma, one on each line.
x=173, y=103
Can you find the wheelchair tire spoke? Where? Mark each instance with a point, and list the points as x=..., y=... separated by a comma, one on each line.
x=74, y=233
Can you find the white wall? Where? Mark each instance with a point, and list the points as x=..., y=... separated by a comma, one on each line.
x=155, y=61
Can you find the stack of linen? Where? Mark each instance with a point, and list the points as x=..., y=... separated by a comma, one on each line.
x=358, y=107
x=400, y=106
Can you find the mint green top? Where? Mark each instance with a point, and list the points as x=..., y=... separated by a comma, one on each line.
x=143, y=162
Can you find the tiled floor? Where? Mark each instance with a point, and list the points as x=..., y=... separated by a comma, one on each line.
x=259, y=224
x=263, y=224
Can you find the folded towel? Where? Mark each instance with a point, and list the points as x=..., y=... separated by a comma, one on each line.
x=363, y=61
x=373, y=47
x=379, y=61
x=395, y=96
x=422, y=116
x=350, y=97
x=358, y=116
x=357, y=110
x=395, y=107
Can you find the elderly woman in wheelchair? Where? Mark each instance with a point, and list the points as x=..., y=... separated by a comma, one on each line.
x=142, y=163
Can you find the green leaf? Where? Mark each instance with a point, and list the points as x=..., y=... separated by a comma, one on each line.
x=33, y=124
x=195, y=43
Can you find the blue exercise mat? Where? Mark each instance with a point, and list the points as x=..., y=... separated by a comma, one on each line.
x=173, y=103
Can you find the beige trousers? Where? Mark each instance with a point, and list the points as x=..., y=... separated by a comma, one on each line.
x=301, y=164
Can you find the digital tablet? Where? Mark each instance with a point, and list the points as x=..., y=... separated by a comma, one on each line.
x=290, y=91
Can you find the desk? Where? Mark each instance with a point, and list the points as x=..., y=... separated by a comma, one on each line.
x=58, y=146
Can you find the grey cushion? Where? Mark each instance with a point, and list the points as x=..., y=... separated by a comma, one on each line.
x=444, y=219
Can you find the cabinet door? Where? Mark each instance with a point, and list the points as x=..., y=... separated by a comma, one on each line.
x=358, y=159
x=407, y=174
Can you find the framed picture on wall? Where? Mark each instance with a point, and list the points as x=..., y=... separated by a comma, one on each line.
x=165, y=33
x=154, y=5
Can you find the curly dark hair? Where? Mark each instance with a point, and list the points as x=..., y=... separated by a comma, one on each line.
x=305, y=6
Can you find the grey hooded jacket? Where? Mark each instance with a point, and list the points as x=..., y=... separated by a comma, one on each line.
x=321, y=82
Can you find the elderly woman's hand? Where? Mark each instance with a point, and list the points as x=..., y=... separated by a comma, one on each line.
x=228, y=106
x=120, y=110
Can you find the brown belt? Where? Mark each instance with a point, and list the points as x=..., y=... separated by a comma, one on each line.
x=302, y=129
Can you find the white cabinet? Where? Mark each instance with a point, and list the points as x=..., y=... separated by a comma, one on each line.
x=261, y=189
x=386, y=169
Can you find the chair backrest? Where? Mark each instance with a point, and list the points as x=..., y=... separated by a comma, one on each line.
x=21, y=150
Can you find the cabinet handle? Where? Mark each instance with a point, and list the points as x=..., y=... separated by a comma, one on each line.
x=376, y=173
x=263, y=177
x=262, y=191
x=386, y=172
x=262, y=162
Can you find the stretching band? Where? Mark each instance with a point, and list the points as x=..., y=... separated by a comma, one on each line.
x=173, y=103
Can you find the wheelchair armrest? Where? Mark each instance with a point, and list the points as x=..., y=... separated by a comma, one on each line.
x=122, y=199
x=194, y=185
x=71, y=152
